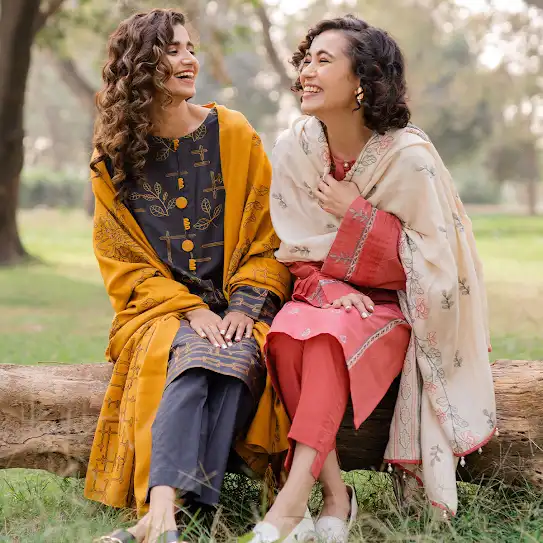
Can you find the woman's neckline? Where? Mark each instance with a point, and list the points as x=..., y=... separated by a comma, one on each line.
x=206, y=119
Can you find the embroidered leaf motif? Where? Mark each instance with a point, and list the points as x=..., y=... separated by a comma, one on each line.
x=458, y=360
x=147, y=187
x=429, y=169
x=463, y=286
x=434, y=355
x=309, y=190
x=280, y=199
x=255, y=205
x=370, y=159
x=162, y=154
x=199, y=133
x=435, y=452
x=443, y=402
x=458, y=222
x=459, y=421
x=202, y=224
x=251, y=218
x=446, y=302
x=341, y=258
x=490, y=418
x=304, y=251
x=134, y=196
x=217, y=212
x=157, y=211
x=164, y=196
x=171, y=204
x=206, y=206
x=158, y=189
x=261, y=191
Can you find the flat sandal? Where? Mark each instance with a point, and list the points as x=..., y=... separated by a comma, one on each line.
x=118, y=536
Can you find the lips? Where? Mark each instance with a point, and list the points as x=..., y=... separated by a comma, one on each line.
x=311, y=90
x=185, y=75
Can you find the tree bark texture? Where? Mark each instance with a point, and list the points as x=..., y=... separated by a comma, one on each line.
x=48, y=416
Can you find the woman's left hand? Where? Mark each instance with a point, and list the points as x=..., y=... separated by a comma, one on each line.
x=236, y=325
x=336, y=197
x=363, y=303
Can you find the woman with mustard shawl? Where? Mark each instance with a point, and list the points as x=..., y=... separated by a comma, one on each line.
x=184, y=241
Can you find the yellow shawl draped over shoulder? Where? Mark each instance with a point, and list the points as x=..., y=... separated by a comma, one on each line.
x=149, y=303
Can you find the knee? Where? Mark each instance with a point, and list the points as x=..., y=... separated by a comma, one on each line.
x=284, y=350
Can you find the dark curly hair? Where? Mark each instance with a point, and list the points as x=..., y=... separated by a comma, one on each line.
x=134, y=72
x=377, y=61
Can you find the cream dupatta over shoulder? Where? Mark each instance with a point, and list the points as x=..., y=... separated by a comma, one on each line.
x=446, y=407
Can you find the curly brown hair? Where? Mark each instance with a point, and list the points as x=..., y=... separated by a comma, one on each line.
x=133, y=74
x=379, y=64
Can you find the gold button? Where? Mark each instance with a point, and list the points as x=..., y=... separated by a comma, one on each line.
x=181, y=202
x=181, y=183
x=187, y=246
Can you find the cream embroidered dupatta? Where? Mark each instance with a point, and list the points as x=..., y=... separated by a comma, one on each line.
x=446, y=407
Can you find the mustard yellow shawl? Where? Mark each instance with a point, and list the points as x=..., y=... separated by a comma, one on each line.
x=149, y=303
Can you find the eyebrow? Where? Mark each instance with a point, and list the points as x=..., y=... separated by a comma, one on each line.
x=177, y=43
x=320, y=52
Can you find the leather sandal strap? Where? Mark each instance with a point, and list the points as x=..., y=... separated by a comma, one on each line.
x=118, y=536
x=170, y=536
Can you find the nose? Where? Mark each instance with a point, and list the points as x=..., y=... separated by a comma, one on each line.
x=308, y=71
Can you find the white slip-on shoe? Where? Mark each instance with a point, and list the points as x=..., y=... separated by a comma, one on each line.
x=265, y=532
x=336, y=530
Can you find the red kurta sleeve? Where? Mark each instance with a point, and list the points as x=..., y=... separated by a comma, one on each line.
x=365, y=251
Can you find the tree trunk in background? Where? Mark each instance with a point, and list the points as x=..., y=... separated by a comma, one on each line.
x=48, y=417
x=20, y=20
x=16, y=37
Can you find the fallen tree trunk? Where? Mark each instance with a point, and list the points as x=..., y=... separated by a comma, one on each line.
x=48, y=415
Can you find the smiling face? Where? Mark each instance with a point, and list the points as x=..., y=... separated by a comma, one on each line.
x=180, y=56
x=326, y=75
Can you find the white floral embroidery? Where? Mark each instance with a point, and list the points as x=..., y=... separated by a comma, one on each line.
x=306, y=332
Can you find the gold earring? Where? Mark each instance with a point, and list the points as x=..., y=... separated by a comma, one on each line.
x=359, y=95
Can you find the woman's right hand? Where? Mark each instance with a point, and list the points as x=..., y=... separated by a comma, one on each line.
x=207, y=325
x=363, y=303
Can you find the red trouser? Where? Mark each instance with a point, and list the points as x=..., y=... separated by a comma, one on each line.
x=313, y=382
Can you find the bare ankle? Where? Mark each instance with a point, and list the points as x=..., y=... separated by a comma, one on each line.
x=336, y=492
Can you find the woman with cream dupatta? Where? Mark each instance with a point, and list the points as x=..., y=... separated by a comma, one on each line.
x=388, y=281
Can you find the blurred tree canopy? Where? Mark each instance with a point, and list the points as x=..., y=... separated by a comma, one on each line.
x=474, y=77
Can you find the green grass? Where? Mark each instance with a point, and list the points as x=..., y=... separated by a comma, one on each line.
x=57, y=311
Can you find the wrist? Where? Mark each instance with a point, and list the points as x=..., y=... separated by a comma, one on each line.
x=194, y=312
x=240, y=313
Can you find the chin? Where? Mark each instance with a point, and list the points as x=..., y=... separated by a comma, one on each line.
x=308, y=108
x=182, y=96
x=312, y=109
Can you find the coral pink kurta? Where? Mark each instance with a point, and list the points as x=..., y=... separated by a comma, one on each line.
x=364, y=258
